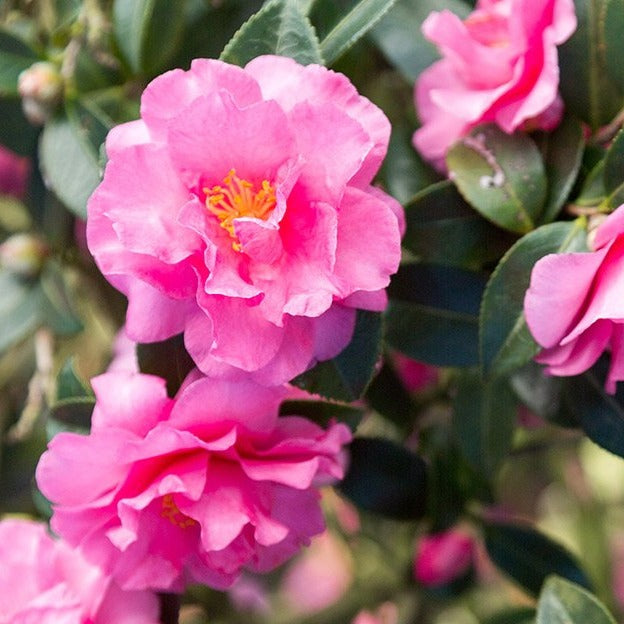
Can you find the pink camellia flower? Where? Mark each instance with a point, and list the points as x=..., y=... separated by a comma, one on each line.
x=239, y=210
x=498, y=65
x=442, y=557
x=43, y=580
x=167, y=491
x=574, y=307
x=14, y=171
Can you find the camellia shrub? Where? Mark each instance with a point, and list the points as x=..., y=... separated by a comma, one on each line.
x=311, y=311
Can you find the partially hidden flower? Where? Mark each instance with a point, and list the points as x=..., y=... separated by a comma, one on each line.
x=574, y=306
x=14, y=171
x=239, y=210
x=441, y=558
x=498, y=65
x=168, y=491
x=45, y=581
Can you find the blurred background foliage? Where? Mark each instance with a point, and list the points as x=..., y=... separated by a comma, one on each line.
x=457, y=430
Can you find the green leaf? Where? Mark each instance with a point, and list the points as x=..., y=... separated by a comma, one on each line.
x=484, y=414
x=500, y=175
x=505, y=340
x=539, y=392
x=73, y=414
x=519, y=615
x=562, y=602
x=352, y=27
x=399, y=37
x=442, y=228
x=563, y=153
x=433, y=315
x=403, y=172
x=57, y=309
x=324, y=412
x=386, y=478
x=586, y=86
x=148, y=32
x=19, y=308
x=280, y=28
x=614, y=164
x=613, y=28
x=15, y=57
x=15, y=132
x=168, y=359
x=601, y=415
x=346, y=376
x=69, y=155
x=69, y=384
x=529, y=556
x=387, y=395
x=593, y=189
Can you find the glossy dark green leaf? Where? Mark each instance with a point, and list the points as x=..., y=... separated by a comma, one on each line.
x=168, y=359
x=399, y=37
x=505, y=340
x=354, y=25
x=148, y=32
x=614, y=44
x=346, y=376
x=587, y=88
x=433, y=314
x=324, y=412
x=388, y=396
x=562, y=151
x=562, y=602
x=484, y=414
x=500, y=175
x=386, y=478
x=601, y=415
x=442, y=228
x=15, y=57
x=280, y=28
x=529, y=556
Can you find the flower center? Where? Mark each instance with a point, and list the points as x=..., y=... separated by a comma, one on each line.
x=171, y=512
x=239, y=198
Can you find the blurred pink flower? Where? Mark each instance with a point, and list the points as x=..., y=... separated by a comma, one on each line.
x=442, y=557
x=14, y=171
x=44, y=581
x=167, y=491
x=498, y=65
x=574, y=306
x=387, y=613
x=415, y=375
x=320, y=575
x=239, y=210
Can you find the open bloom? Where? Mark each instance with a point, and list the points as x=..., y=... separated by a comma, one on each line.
x=498, y=65
x=239, y=211
x=43, y=580
x=574, y=305
x=164, y=491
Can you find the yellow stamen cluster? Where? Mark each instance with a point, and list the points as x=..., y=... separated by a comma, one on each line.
x=171, y=512
x=238, y=198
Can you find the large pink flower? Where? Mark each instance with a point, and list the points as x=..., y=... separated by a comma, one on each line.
x=164, y=491
x=499, y=65
x=44, y=581
x=574, y=306
x=239, y=210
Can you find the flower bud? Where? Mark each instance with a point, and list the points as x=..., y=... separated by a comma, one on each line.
x=23, y=254
x=443, y=557
x=40, y=87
